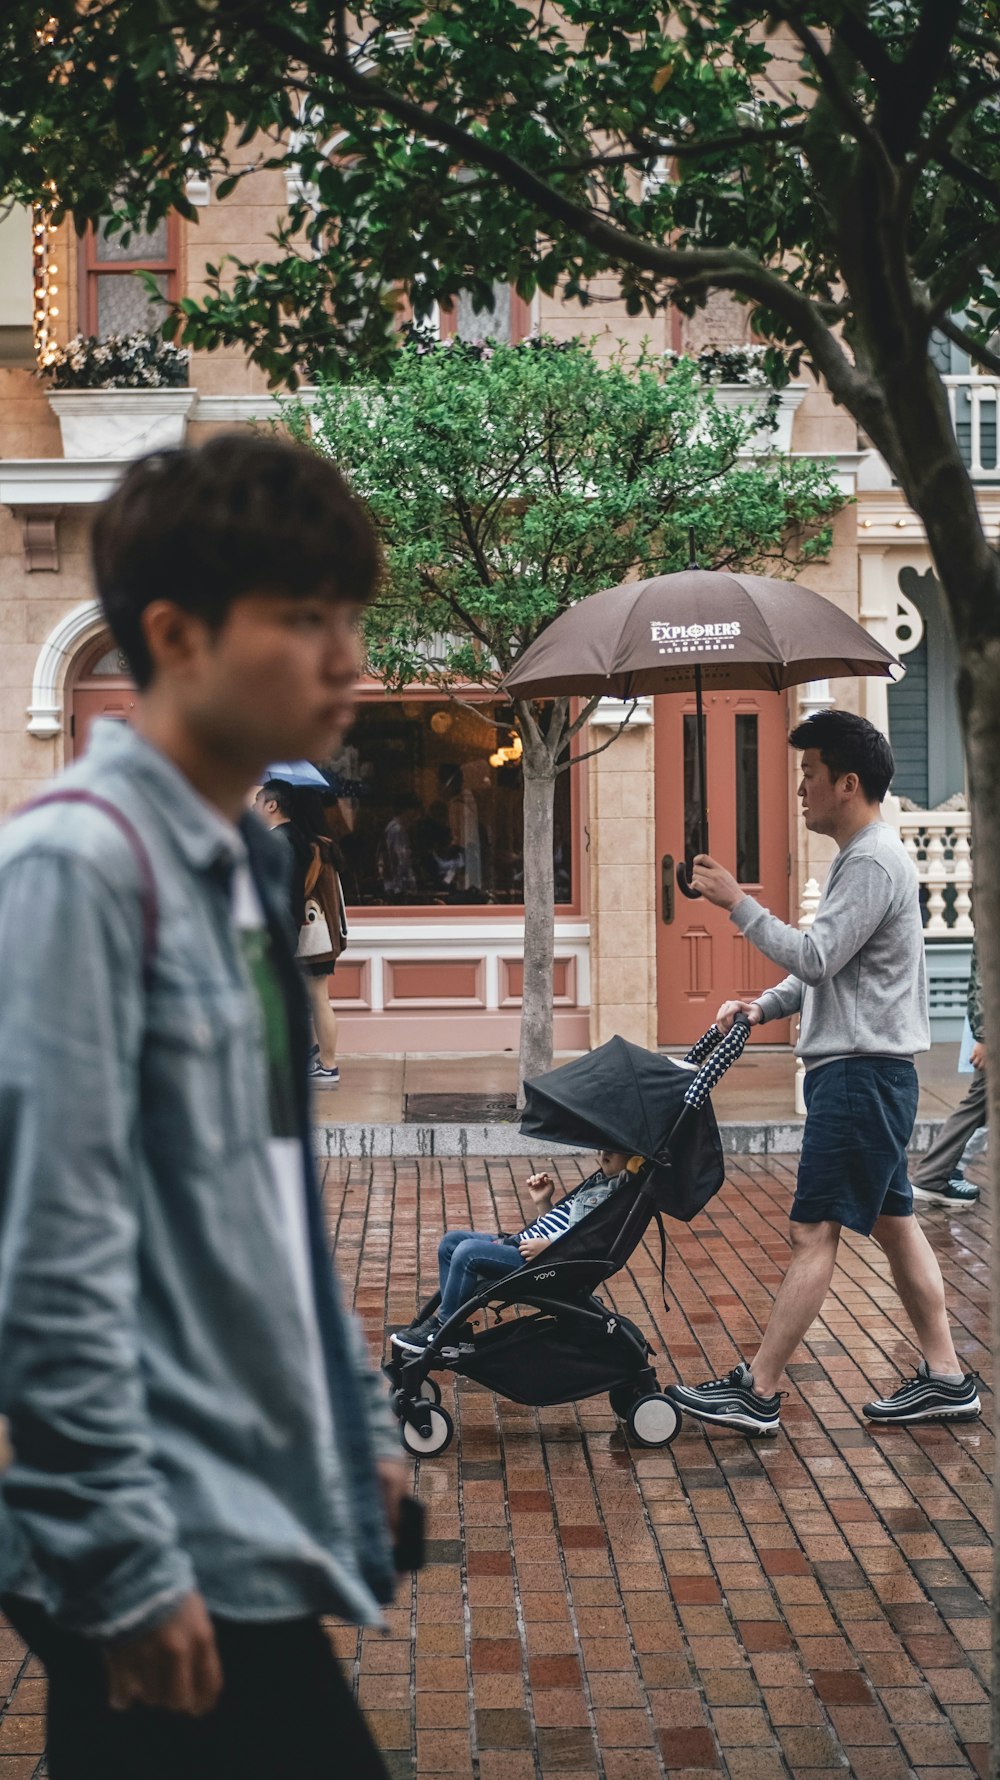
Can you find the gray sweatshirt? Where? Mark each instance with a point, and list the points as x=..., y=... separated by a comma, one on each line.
x=857, y=973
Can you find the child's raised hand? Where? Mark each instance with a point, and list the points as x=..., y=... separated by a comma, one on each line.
x=541, y=1186
x=533, y=1246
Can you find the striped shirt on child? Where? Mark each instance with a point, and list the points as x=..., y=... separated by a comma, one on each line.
x=551, y=1223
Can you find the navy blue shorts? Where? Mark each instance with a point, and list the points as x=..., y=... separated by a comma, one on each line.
x=853, y=1168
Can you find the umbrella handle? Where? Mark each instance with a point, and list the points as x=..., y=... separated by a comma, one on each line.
x=684, y=883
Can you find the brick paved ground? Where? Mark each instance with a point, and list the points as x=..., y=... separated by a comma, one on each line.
x=810, y=1606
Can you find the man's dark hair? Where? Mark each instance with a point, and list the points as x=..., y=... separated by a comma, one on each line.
x=849, y=744
x=240, y=514
x=280, y=792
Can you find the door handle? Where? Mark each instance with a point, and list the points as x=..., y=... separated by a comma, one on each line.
x=667, y=888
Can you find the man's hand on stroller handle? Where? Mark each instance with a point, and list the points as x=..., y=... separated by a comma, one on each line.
x=533, y=1246
x=729, y=1010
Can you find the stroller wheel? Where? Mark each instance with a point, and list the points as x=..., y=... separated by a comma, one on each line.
x=426, y=1446
x=653, y=1420
x=430, y=1391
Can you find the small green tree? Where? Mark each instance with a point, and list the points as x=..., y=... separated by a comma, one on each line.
x=508, y=482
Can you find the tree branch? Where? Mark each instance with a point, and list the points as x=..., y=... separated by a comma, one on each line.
x=921, y=68
x=988, y=46
x=453, y=604
x=839, y=95
x=990, y=361
x=474, y=710
x=867, y=47
x=968, y=175
x=679, y=150
x=582, y=715
x=729, y=269
x=953, y=283
x=945, y=128
x=578, y=759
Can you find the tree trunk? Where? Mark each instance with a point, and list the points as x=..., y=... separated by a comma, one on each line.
x=922, y=451
x=539, y=912
x=979, y=688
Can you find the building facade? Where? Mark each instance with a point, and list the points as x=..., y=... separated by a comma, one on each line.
x=429, y=807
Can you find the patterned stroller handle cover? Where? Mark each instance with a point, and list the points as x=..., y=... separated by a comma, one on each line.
x=719, y=1054
x=647, y=1104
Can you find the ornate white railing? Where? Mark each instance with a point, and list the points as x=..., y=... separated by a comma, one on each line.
x=938, y=842
x=975, y=411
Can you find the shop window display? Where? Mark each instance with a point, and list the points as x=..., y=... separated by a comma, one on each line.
x=429, y=807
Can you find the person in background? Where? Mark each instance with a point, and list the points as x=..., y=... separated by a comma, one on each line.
x=204, y=1461
x=463, y=818
x=395, y=864
x=939, y=1177
x=295, y=818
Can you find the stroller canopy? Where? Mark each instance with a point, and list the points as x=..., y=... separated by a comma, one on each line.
x=625, y=1098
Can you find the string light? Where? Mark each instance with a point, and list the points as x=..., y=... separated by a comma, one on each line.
x=44, y=269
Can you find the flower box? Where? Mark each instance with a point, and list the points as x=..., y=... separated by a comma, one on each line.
x=758, y=396
x=120, y=423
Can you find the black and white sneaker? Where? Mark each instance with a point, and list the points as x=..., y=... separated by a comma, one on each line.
x=926, y=1399
x=730, y=1402
x=323, y=1077
x=957, y=1192
x=415, y=1339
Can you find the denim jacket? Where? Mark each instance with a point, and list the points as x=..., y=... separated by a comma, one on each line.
x=593, y=1191
x=152, y=1354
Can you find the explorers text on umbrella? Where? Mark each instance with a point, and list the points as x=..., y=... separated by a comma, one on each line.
x=685, y=639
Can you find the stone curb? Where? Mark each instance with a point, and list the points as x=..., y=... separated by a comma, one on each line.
x=415, y=1142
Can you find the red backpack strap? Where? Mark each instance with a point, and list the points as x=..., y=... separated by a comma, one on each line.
x=147, y=882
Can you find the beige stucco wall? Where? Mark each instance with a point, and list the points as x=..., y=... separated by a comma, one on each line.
x=620, y=823
x=31, y=604
x=622, y=889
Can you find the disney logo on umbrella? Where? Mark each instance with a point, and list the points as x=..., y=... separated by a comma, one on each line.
x=680, y=639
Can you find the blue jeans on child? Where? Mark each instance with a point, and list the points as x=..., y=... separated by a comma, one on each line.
x=467, y=1262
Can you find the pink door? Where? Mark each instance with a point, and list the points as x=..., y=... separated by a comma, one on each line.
x=110, y=698
x=701, y=957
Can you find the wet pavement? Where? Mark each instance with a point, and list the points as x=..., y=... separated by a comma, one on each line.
x=810, y=1606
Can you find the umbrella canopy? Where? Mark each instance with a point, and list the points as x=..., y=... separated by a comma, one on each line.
x=630, y=1099
x=745, y=632
x=702, y=629
x=297, y=772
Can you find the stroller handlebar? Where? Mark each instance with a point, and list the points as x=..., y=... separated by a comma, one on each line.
x=716, y=1054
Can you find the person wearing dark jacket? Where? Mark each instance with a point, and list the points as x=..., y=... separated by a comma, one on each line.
x=939, y=1177
x=275, y=803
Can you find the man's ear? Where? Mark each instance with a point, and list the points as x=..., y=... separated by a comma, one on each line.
x=175, y=638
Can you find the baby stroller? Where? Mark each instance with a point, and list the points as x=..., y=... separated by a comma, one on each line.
x=557, y=1342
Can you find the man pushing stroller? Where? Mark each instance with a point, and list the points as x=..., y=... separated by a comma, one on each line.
x=468, y=1259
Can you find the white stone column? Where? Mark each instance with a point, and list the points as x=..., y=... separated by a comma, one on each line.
x=623, y=884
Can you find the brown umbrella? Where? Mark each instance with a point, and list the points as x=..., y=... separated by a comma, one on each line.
x=705, y=629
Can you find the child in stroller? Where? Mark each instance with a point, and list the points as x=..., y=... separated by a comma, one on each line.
x=468, y=1260
x=552, y=1340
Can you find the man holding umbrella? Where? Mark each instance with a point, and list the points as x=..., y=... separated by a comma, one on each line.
x=857, y=977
